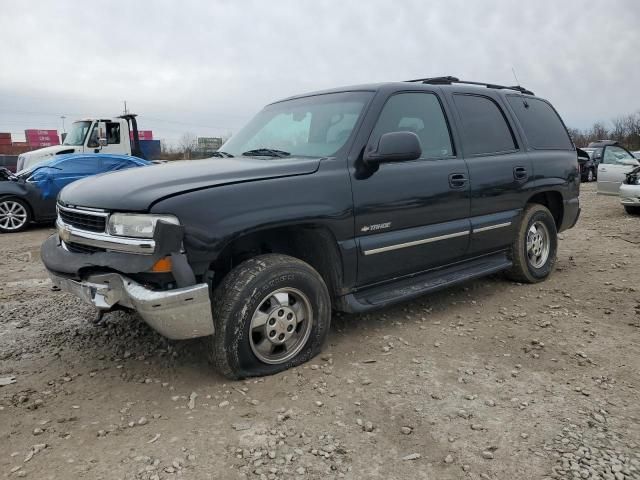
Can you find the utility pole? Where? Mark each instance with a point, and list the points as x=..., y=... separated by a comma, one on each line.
x=63, y=117
x=125, y=108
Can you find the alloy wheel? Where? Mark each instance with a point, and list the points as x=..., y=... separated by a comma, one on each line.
x=538, y=244
x=280, y=326
x=13, y=215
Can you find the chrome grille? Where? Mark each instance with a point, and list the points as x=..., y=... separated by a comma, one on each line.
x=78, y=248
x=93, y=222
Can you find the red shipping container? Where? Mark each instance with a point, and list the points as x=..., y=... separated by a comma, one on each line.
x=5, y=135
x=5, y=141
x=41, y=139
x=143, y=135
x=41, y=132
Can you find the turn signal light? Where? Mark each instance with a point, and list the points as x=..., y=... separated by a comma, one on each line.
x=163, y=265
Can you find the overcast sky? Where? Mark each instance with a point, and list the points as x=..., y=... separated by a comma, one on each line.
x=206, y=67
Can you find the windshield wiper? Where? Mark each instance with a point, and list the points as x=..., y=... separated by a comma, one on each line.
x=266, y=152
x=220, y=154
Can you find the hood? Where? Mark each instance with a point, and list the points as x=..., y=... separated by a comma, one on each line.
x=29, y=159
x=134, y=190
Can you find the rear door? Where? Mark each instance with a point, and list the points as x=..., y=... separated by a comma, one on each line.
x=411, y=216
x=499, y=170
x=613, y=168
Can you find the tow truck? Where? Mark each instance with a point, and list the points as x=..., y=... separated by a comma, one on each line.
x=117, y=135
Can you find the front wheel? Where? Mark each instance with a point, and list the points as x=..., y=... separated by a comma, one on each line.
x=271, y=313
x=533, y=251
x=15, y=215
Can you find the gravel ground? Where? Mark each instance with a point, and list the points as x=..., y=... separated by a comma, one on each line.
x=489, y=380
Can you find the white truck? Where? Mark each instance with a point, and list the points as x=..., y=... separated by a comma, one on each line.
x=102, y=135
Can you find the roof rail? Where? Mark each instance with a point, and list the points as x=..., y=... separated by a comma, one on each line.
x=448, y=80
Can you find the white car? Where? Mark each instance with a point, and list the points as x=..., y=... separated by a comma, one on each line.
x=630, y=192
x=614, y=163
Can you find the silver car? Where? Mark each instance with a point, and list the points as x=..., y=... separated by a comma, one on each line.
x=615, y=163
x=630, y=192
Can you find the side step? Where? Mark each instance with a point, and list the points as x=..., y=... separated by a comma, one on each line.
x=418, y=285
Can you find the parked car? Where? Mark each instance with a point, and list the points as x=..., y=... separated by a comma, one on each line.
x=615, y=162
x=630, y=192
x=349, y=199
x=30, y=195
x=588, y=164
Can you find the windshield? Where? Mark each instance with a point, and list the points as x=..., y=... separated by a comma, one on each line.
x=316, y=126
x=77, y=133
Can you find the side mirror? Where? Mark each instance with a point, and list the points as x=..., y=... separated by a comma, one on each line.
x=98, y=136
x=394, y=147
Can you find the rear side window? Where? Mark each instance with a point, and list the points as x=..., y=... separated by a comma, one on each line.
x=484, y=127
x=541, y=123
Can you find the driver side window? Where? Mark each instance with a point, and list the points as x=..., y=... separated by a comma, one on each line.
x=421, y=114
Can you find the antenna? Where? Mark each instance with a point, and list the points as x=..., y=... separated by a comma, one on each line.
x=515, y=76
x=524, y=100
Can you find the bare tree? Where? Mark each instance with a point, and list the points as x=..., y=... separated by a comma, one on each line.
x=188, y=143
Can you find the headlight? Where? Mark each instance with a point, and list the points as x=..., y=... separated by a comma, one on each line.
x=137, y=225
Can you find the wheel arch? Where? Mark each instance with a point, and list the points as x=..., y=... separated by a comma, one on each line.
x=554, y=201
x=312, y=243
x=4, y=196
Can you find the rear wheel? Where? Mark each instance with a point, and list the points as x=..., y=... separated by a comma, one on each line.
x=271, y=313
x=534, y=249
x=14, y=215
x=630, y=209
x=591, y=175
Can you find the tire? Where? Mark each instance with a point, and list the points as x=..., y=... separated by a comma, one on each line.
x=269, y=288
x=631, y=210
x=536, y=235
x=591, y=177
x=15, y=215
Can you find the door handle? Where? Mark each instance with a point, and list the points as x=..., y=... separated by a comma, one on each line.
x=457, y=180
x=520, y=173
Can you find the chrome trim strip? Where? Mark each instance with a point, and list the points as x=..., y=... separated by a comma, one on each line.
x=415, y=242
x=491, y=227
x=95, y=213
x=69, y=234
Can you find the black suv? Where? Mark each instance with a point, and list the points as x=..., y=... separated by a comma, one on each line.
x=348, y=199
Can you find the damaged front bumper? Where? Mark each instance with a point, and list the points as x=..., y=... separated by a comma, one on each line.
x=176, y=314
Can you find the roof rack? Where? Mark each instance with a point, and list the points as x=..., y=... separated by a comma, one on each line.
x=449, y=80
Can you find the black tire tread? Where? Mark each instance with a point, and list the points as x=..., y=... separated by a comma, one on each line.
x=632, y=210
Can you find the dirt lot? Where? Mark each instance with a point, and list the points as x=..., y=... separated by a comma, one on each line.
x=490, y=380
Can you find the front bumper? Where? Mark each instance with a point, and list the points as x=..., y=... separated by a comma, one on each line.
x=176, y=314
x=630, y=195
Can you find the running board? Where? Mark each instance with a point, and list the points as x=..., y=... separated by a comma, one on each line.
x=408, y=288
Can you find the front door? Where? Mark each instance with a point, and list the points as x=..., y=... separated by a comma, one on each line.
x=116, y=140
x=616, y=163
x=411, y=216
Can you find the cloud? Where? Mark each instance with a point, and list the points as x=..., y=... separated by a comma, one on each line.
x=206, y=67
